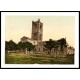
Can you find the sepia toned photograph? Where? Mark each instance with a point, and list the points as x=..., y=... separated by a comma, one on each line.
x=40, y=39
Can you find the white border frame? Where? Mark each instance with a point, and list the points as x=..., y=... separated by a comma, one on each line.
x=3, y=14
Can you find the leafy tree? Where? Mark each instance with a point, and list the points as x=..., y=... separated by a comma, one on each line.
x=56, y=46
x=50, y=44
x=62, y=42
x=25, y=45
x=11, y=45
x=21, y=46
x=29, y=46
x=6, y=45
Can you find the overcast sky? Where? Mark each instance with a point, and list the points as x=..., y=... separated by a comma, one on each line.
x=54, y=27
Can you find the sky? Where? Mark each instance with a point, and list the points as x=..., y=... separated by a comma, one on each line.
x=54, y=27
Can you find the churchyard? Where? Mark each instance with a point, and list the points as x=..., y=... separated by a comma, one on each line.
x=20, y=58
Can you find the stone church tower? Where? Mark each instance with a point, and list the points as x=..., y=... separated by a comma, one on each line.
x=37, y=34
x=37, y=30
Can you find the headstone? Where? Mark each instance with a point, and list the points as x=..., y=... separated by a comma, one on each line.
x=26, y=51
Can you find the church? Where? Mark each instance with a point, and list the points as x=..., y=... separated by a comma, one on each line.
x=37, y=38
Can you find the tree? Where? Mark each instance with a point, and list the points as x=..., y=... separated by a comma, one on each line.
x=6, y=45
x=11, y=45
x=56, y=46
x=50, y=44
x=23, y=46
x=62, y=42
x=29, y=46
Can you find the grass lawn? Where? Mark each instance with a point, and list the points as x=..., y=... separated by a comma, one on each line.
x=19, y=58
